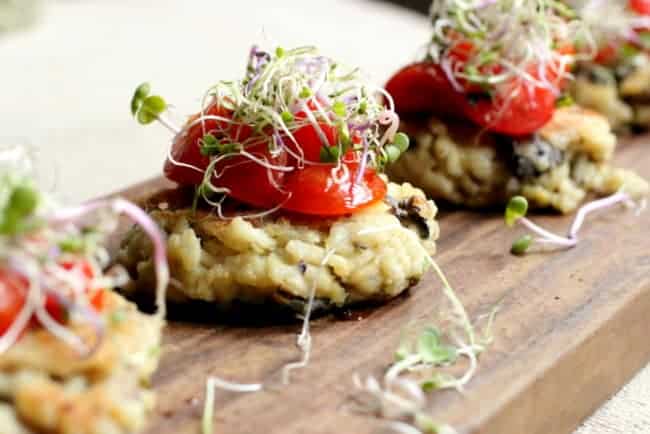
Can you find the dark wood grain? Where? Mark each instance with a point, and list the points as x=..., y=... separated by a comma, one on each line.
x=572, y=329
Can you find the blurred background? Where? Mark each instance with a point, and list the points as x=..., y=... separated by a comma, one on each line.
x=68, y=68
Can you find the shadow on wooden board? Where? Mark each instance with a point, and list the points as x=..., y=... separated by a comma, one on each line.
x=417, y=5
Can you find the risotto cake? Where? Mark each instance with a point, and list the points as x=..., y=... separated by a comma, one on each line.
x=281, y=195
x=487, y=117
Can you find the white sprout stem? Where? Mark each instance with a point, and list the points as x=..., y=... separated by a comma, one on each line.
x=546, y=236
x=213, y=383
x=606, y=202
x=304, y=338
x=549, y=238
x=167, y=123
x=397, y=368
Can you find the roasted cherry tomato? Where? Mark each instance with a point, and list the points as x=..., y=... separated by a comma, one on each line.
x=640, y=6
x=314, y=192
x=309, y=190
x=14, y=289
x=186, y=147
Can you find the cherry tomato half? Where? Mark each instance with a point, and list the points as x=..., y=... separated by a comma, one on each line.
x=314, y=191
x=640, y=6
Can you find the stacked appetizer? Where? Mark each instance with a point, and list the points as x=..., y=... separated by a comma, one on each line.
x=75, y=357
x=487, y=113
x=616, y=82
x=280, y=196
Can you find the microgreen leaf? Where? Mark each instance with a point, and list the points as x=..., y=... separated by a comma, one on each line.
x=146, y=108
x=564, y=101
x=287, y=116
x=339, y=108
x=141, y=92
x=402, y=141
x=344, y=134
x=329, y=154
x=72, y=245
x=305, y=93
x=22, y=202
x=516, y=209
x=431, y=349
x=521, y=245
x=392, y=153
x=279, y=52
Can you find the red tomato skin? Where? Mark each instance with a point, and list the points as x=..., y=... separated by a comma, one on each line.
x=310, y=141
x=640, y=6
x=314, y=192
x=424, y=88
x=186, y=147
x=249, y=181
x=13, y=291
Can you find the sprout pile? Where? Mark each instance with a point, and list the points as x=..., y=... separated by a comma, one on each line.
x=516, y=214
x=424, y=364
x=57, y=255
x=490, y=44
x=612, y=21
x=281, y=92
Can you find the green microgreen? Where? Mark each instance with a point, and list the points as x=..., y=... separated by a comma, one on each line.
x=145, y=107
x=339, y=108
x=564, y=100
x=432, y=350
x=210, y=146
x=516, y=209
x=22, y=201
x=329, y=154
x=521, y=245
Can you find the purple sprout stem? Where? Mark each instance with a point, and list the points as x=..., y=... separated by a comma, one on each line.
x=364, y=162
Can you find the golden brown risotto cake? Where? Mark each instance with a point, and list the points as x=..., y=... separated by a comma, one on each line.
x=558, y=167
x=45, y=387
x=371, y=255
x=621, y=93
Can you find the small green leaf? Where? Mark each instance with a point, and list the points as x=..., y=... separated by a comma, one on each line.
x=145, y=117
x=279, y=52
x=564, y=101
x=329, y=154
x=392, y=153
x=209, y=145
x=401, y=141
x=141, y=92
x=363, y=107
x=72, y=245
x=344, y=135
x=305, y=93
x=154, y=104
x=521, y=245
x=339, y=108
x=287, y=116
x=431, y=349
x=516, y=209
x=23, y=201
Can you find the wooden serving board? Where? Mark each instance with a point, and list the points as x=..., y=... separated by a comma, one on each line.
x=572, y=329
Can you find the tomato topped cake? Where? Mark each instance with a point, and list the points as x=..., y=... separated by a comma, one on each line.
x=487, y=112
x=280, y=194
x=616, y=82
x=75, y=357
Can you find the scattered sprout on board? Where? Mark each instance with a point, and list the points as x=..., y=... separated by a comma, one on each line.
x=283, y=91
x=517, y=208
x=53, y=259
x=430, y=357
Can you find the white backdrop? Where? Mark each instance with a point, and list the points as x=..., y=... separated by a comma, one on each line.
x=65, y=87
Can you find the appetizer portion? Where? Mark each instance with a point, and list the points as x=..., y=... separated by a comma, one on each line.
x=616, y=82
x=487, y=113
x=75, y=357
x=280, y=195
